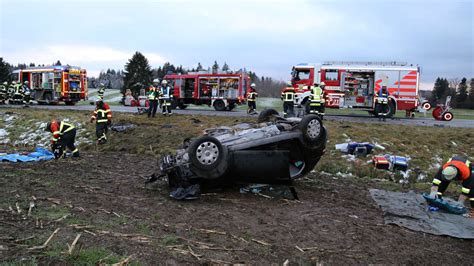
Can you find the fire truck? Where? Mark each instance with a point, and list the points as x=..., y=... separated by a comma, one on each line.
x=356, y=84
x=222, y=91
x=53, y=84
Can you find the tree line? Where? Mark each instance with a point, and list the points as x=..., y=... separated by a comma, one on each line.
x=460, y=90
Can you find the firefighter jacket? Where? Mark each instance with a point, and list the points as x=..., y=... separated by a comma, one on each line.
x=3, y=89
x=58, y=129
x=288, y=94
x=465, y=175
x=152, y=94
x=317, y=96
x=18, y=89
x=102, y=113
x=165, y=93
x=382, y=96
x=252, y=96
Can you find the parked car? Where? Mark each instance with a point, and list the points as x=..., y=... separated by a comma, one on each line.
x=273, y=150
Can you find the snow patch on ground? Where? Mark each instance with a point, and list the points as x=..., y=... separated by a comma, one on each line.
x=349, y=157
x=421, y=177
x=405, y=176
x=437, y=162
x=344, y=174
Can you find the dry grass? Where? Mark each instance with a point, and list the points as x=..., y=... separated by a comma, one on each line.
x=427, y=147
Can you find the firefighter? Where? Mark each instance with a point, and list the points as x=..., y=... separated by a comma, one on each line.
x=288, y=96
x=11, y=90
x=25, y=88
x=165, y=97
x=64, y=135
x=103, y=117
x=153, y=100
x=252, y=99
x=3, y=92
x=316, y=104
x=457, y=168
x=17, y=92
x=101, y=91
x=382, y=103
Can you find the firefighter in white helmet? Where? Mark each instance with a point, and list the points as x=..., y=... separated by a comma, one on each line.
x=165, y=96
x=252, y=99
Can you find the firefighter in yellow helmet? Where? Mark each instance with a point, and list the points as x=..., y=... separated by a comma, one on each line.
x=316, y=104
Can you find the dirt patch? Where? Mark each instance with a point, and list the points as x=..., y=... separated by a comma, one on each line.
x=102, y=196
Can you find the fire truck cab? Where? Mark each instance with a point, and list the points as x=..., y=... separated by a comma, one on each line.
x=52, y=84
x=222, y=91
x=356, y=84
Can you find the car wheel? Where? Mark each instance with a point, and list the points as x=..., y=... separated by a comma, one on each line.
x=448, y=116
x=267, y=115
x=426, y=106
x=312, y=128
x=208, y=157
x=219, y=105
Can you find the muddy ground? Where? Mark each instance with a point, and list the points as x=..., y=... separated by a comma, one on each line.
x=103, y=198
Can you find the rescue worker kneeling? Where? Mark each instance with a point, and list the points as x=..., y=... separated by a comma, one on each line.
x=316, y=104
x=457, y=168
x=64, y=135
x=103, y=117
x=288, y=96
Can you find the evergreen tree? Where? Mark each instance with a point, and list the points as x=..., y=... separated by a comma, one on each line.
x=199, y=67
x=5, y=70
x=137, y=74
x=32, y=64
x=215, y=68
x=58, y=63
x=461, y=95
x=471, y=94
x=225, y=67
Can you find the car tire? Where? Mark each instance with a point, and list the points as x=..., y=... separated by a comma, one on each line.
x=267, y=115
x=448, y=116
x=392, y=108
x=219, y=105
x=426, y=106
x=312, y=129
x=208, y=157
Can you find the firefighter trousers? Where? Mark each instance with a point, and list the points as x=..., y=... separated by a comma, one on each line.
x=101, y=130
x=313, y=109
x=382, y=109
x=152, y=108
x=166, y=107
x=67, y=140
x=288, y=109
x=252, y=106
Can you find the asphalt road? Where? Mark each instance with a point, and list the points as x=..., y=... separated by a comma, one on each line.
x=240, y=113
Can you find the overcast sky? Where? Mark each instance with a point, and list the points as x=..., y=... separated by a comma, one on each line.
x=268, y=37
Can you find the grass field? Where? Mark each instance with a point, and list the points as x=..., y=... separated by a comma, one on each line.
x=427, y=147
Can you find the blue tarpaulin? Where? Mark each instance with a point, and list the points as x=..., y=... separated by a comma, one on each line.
x=39, y=154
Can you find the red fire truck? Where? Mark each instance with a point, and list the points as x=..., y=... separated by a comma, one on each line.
x=355, y=84
x=222, y=91
x=52, y=84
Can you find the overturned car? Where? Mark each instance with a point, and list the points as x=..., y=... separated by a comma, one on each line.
x=274, y=150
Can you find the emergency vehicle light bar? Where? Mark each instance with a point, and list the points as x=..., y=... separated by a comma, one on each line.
x=366, y=63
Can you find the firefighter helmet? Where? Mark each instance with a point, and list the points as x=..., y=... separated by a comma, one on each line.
x=253, y=85
x=450, y=172
x=156, y=81
x=164, y=82
x=5, y=83
x=101, y=85
x=14, y=82
x=322, y=84
x=26, y=82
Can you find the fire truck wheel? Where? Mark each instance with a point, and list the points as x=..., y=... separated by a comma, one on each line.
x=426, y=106
x=47, y=98
x=182, y=106
x=391, y=108
x=70, y=103
x=312, y=128
x=448, y=116
x=174, y=104
x=208, y=157
x=267, y=115
x=219, y=105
